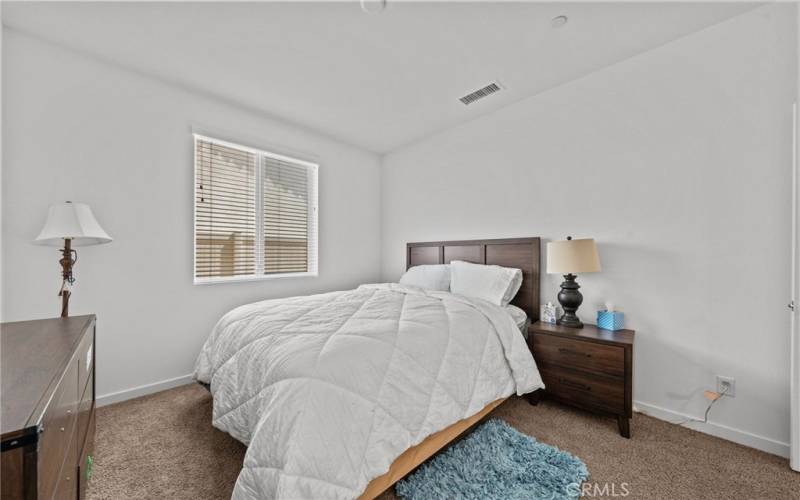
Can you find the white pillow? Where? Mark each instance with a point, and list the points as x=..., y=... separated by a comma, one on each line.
x=429, y=276
x=518, y=315
x=495, y=284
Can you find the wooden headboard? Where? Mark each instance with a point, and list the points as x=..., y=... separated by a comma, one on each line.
x=520, y=253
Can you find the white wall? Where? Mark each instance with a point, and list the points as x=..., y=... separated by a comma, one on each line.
x=78, y=129
x=678, y=162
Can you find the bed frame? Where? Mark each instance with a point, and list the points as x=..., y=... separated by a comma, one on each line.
x=520, y=253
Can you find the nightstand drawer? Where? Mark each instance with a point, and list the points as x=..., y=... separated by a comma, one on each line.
x=580, y=389
x=581, y=355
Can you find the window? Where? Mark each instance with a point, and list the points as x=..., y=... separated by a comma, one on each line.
x=255, y=213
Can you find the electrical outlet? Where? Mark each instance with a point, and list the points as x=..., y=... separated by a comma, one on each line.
x=726, y=385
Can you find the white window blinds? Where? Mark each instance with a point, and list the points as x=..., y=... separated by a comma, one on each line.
x=236, y=240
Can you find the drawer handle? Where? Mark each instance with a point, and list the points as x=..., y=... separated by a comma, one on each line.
x=69, y=412
x=576, y=385
x=564, y=350
x=63, y=429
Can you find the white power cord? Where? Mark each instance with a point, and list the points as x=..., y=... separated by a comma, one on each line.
x=708, y=409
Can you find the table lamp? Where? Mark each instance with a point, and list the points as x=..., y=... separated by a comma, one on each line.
x=75, y=224
x=569, y=257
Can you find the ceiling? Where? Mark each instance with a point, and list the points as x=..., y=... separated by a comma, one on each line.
x=377, y=81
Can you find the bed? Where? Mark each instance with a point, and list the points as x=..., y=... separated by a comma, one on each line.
x=340, y=395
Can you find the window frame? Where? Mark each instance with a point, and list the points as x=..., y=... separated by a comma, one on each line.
x=313, y=208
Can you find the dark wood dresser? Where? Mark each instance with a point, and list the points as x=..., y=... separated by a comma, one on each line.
x=47, y=421
x=587, y=367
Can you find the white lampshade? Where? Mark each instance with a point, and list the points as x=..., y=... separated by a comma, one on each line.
x=74, y=221
x=572, y=256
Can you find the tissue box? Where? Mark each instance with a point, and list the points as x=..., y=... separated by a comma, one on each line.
x=610, y=320
x=548, y=313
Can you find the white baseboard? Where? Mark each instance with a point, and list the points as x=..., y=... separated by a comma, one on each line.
x=142, y=390
x=721, y=431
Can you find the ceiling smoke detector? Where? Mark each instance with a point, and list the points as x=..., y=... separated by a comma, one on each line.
x=559, y=21
x=373, y=6
x=480, y=93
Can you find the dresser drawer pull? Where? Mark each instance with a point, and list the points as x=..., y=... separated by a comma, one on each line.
x=63, y=429
x=576, y=353
x=576, y=385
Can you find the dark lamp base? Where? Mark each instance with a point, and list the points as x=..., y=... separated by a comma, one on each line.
x=571, y=322
x=570, y=299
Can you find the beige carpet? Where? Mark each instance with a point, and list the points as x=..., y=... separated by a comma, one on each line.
x=163, y=446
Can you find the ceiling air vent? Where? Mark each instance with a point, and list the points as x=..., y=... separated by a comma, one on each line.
x=480, y=93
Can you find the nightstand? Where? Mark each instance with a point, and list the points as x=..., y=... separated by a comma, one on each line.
x=587, y=367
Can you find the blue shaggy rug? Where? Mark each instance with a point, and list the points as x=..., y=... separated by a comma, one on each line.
x=498, y=462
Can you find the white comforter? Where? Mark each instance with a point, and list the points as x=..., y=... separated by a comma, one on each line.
x=327, y=390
